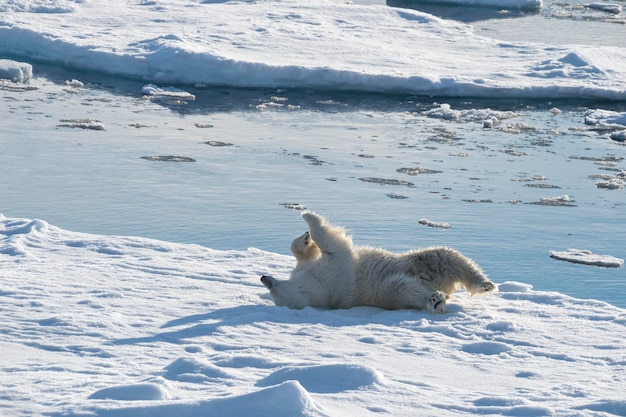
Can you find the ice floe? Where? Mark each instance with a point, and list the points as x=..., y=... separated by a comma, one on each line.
x=583, y=256
x=304, y=44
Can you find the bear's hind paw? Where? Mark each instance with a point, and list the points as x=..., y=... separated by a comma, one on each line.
x=437, y=302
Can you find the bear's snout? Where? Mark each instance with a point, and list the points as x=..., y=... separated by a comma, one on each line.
x=267, y=281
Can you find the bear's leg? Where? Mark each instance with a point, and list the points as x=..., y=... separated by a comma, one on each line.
x=482, y=287
x=475, y=280
x=330, y=239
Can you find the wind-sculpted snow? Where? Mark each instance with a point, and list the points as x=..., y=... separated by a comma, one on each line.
x=124, y=326
x=303, y=44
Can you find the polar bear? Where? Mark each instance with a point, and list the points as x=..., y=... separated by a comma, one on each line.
x=330, y=272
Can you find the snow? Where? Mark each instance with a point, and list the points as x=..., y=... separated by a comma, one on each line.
x=293, y=44
x=123, y=326
x=583, y=256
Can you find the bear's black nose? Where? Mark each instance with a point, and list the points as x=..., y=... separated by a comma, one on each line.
x=267, y=281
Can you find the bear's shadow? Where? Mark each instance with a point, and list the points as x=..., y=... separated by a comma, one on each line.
x=180, y=330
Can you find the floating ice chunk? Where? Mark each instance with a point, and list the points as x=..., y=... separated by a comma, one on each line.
x=446, y=112
x=18, y=72
x=605, y=118
x=74, y=83
x=611, y=184
x=429, y=223
x=612, y=8
x=586, y=257
x=167, y=92
x=563, y=200
x=168, y=158
x=619, y=136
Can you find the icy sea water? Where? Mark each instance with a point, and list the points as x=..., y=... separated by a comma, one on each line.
x=247, y=160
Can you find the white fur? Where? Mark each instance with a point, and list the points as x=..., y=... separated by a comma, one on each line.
x=331, y=273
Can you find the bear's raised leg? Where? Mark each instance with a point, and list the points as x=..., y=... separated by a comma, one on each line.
x=330, y=239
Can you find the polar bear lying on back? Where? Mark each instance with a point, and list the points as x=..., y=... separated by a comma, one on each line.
x=331, y=272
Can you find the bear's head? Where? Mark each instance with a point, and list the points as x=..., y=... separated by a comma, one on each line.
x=304, y=249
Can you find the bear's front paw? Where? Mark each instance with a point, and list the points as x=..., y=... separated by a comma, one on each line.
x=437, y=302
x=312, y=218
x=484, y=287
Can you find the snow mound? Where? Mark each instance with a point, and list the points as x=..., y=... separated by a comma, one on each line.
x=326, y=378
x=586, y=257
x=192, y=370
x=137, y=392
x=288, y=399
x=511, y=286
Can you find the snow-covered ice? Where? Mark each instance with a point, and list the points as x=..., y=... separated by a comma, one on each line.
x=17, y=72
x=125, y=326
x=584, y=256
x=168, y=92
x=605, y=118
x=288, y=43
x=431, y=223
